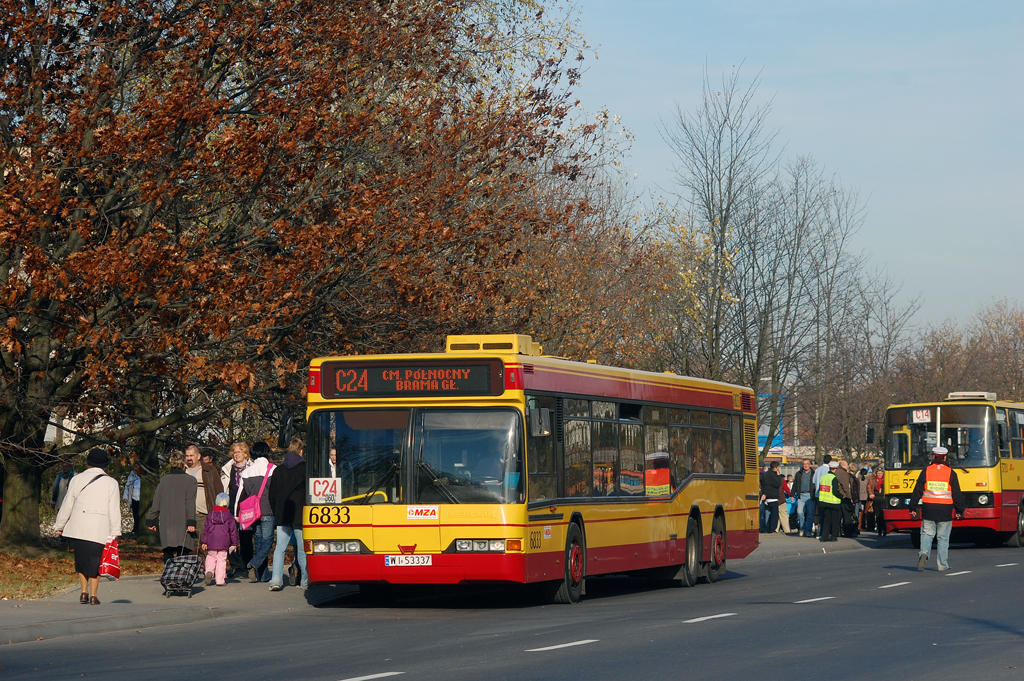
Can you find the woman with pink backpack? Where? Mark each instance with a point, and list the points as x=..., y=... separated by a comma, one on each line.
x=253, y=506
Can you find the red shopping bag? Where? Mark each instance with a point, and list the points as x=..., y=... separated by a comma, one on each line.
x=110, y=563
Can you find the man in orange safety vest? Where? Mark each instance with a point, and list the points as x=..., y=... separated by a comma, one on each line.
x=936, y=500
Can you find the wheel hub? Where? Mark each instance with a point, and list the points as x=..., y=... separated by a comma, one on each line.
x=576, y=563
x=718, y=549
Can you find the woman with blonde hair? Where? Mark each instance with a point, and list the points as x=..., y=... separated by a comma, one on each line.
x=231, y=477
x=90, y=516
x=174, y=505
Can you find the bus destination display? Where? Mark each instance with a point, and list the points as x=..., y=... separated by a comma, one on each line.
x=355, y=380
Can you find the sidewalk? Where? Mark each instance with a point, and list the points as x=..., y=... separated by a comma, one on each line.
x=138, y=602
x=775, y=546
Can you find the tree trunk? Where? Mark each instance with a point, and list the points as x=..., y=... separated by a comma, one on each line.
x=23, y=485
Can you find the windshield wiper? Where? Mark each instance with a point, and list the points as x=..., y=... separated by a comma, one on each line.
x=380, y=481
x=436, y=482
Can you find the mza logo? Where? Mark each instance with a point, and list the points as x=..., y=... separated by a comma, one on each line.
x=422, y=513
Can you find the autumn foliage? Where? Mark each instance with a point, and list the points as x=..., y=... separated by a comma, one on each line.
x=196, y=198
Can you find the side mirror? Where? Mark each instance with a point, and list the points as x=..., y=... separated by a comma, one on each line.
x=540, y=422
x=870, y=436
x=284, y=432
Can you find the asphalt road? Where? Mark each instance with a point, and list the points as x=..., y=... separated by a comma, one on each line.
x=864, y=614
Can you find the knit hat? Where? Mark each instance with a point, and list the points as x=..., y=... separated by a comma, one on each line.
x=223, y=499
x=833, y=464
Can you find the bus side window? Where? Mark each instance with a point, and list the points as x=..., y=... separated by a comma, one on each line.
x=737, y=445
x=540, y=448
x=680, y=454
x=1017, y=434
x=577, y=458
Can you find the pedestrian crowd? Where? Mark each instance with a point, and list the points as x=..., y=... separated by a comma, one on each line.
x=823, y=502
x=237, y=515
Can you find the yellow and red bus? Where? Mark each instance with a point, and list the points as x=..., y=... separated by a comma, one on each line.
x=985, y=439
x=491, y=462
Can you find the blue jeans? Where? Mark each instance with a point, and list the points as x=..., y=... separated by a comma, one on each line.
x=805, y=513
x=286, y=533
x=264, y=541
x=941, y=530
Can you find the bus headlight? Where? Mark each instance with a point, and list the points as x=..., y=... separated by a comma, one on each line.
x=321, y=547
x=485, y=545
x=982, y=499
x=894, y=502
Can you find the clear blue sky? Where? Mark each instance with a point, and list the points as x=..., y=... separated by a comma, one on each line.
x=918, y=105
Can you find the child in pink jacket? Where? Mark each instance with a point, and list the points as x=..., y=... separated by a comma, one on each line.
x=220, y=537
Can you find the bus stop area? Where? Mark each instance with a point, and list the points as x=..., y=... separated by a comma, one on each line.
x=135, y=603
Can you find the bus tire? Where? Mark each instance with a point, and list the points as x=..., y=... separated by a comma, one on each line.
x=716, y=561
x=691, y=568
x=1016, y=539
x=915, y=538
x=575, y=567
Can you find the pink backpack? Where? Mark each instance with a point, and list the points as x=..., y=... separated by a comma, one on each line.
x=249, y=508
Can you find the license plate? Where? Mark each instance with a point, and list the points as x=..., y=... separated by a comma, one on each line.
x=407, y=560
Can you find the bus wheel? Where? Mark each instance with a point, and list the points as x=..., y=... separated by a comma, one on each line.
x=716, y=564
x=571, y=586
x=1017, y=538
x=691, y=568
x=915, y=538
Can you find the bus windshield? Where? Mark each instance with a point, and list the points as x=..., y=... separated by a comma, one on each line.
x=968, y=432
x=453, y=455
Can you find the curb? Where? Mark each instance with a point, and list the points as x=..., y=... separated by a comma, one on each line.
x=108, y=623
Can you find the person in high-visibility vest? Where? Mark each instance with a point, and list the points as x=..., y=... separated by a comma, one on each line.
x=829, y=503
x=936, y=500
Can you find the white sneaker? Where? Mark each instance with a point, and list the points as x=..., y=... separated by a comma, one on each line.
x=801, y=533
x=275, y=587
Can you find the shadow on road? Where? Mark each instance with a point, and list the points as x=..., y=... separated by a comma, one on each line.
x=462, y=597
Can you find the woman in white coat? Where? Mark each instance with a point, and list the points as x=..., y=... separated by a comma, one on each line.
x=90, y=516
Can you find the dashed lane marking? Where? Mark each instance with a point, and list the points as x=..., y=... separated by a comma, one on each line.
x=1006, y=565
x=709, y=617
x=814, y=600
x=962, y=572
x=373, y=676
x=889, y=586
x=563, y=645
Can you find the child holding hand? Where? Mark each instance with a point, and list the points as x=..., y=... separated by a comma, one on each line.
x=220, y=537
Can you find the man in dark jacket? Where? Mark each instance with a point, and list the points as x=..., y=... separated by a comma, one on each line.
x=771, y=483
x=208, y=486
x=847, y=492
x=936, y=500
x=804, y=491
x=287, y=492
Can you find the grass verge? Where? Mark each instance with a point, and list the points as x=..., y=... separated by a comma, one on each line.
x=30, y=578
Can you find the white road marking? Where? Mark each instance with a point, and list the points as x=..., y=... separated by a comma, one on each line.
x=709, y=617
x=889, y=586
x=1006, y=565
x=373, y=676
x=814, y=600
x=954, y=574
x=563, y=645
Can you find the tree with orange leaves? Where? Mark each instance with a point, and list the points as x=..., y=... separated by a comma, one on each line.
x=196, y=198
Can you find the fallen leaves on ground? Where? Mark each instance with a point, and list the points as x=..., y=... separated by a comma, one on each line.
x=24, y=578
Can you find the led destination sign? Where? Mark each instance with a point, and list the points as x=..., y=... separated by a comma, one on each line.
x=355, y=380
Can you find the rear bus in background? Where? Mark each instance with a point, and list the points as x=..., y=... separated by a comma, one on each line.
x=493, y=463
x=985, y=440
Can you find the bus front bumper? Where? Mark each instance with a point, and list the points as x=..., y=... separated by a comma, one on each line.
x=445, y=568
x=987, y=518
